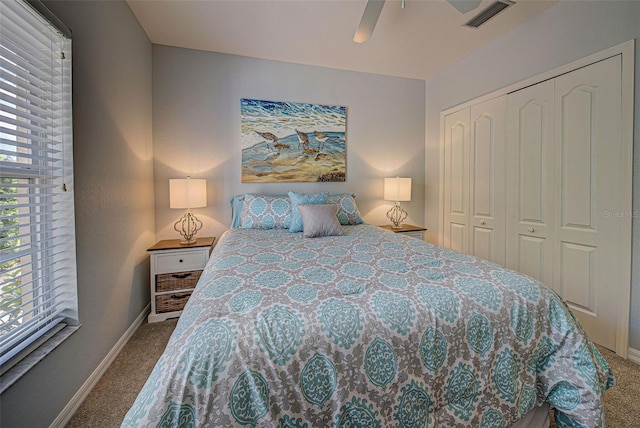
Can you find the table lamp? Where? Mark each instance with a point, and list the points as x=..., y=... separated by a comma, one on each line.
x=187, y=193
x=398, y=190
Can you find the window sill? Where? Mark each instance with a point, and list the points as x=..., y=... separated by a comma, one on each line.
x=35, y=354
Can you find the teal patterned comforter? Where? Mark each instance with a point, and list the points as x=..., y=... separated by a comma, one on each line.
x=370, y=329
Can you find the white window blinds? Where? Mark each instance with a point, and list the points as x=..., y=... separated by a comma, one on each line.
x=37, y=229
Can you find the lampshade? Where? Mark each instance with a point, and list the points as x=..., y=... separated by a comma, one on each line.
x=397, y=189
x=187, y=193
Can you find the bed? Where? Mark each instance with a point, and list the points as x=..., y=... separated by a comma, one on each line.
x=369, y=329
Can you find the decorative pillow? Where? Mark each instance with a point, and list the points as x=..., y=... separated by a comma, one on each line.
x=236, y=202
x=266, y=212
x=299, y=199
x=348, y=213
x=320, y=220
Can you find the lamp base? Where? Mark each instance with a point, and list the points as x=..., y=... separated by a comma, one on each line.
x=189, y=242
x=396, y=215
x=188, y=225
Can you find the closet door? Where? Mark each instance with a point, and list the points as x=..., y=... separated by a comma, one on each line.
x=456, y=181
x=487, y=180
x=589, y=199
x=529, y=194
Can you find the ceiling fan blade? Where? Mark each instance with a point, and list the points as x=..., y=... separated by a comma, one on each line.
x=464, y=6
x=368, y=21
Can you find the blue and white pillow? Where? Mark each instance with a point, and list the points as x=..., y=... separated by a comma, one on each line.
x=299, y=199
x=237, y=206
x=348, y=213
x=266, y=212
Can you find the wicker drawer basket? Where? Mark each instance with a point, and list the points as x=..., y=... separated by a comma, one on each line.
x=171, y=302
x=177, y=281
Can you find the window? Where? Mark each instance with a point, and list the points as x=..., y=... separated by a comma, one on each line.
x=37, y=230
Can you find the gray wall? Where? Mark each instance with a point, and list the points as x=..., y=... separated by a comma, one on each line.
x=114, y=202
x=563, y=33
x=196, y=129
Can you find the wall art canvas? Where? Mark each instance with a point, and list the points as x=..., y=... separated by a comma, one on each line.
x=286, y=142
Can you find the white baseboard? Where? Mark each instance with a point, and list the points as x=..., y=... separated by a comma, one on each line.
x=67, y=413
x=633, y=355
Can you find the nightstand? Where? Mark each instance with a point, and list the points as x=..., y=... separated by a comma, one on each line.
x=175, y=270
x=408, y=230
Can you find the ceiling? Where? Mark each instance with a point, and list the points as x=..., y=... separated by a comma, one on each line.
x=415, y=42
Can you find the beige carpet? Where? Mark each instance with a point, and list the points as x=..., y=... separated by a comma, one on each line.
x=116, y=391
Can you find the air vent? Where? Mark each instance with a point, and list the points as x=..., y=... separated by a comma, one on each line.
x=488, y=13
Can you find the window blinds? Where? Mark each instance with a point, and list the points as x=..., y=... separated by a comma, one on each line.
x=37, y=227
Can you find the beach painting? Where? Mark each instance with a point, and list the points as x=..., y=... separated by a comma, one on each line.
x=292, y=142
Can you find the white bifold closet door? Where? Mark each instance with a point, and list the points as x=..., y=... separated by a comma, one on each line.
x=565, y=194
x=529, y=192
x=474, y=183
x=589, y=196
x=487, y=174
x=456, y=181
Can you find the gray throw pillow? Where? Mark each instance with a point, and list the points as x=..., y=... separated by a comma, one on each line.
x=319, y=220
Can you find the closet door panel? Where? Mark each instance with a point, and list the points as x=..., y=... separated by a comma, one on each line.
x=457, y=237
x=589, y=156
x=456, y=181
x=577, y=157
x=483, y=243
x=577, y=275
x=488, y=179
x=531, y=253
x=532, y=144
x=529, y=172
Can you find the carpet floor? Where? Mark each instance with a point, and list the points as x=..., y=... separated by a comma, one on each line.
x=113, y=395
